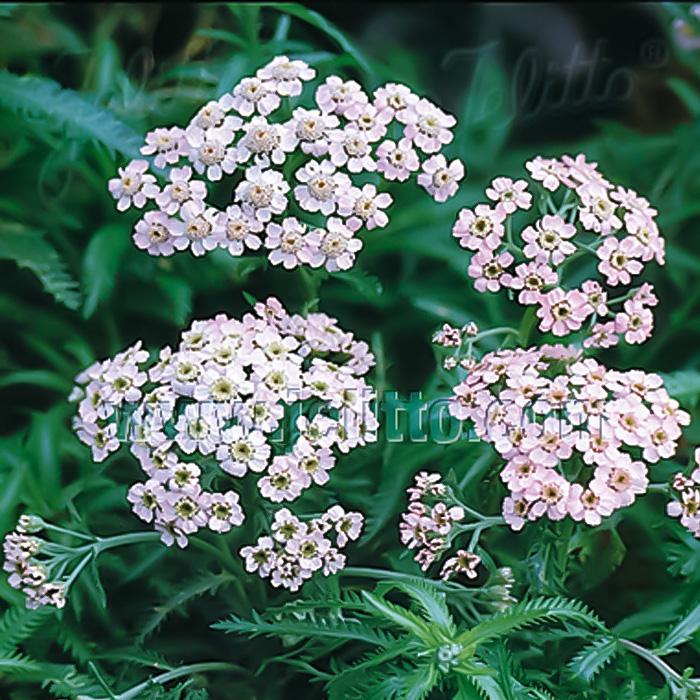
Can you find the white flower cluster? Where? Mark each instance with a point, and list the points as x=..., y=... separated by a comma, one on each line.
x=218, y=400
x=297, y=549
x=336, y=145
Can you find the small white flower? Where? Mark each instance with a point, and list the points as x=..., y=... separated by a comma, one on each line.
x=264, y=191
x=321, y=188
x=133, y=186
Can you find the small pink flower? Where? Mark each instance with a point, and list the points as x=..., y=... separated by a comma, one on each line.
x=603, y=335
x=395, y=99
x=364, y=207
x=344, y=98
x=589, y=506
x=240, y=228
x=563, y=312
x=349, y=147
x=516, y=510
x=180, y=190
x=133, y=186
x=286, y=76
x=597, y=212
x=252, y=95
x=201, y=230
x=636, y=322
x=645, y=295
x=532, y=278
x=167, y=144
x=618, y=260
x=373, y=122
x=489, y=270
x=510, y=195
x=335, y=246
x=546, y=170
x=321, y=187
x=427, y=126
x=441, y=179
x=311, y=128
x=396, y=161
x=286, y=242
x=158, y=234
x=479, y=229
x=548, y=240
x=597, y=297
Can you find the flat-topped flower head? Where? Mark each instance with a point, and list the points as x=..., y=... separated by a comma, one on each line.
x=208, y=410
x=578, y=218
x=247, y=140
x=576, y=439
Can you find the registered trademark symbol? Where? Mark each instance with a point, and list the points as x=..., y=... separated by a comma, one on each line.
x=654, y=52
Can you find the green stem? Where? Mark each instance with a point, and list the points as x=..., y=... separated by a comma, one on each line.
x=76, y=572
x=105, y=543
x=191, y=669
x=658, y=488
x=661, y=666
x=65, y=531
x=501, y=330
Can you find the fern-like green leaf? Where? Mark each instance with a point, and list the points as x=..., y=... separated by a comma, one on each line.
x=680, y=633
x=399, y=616
x=179, y=600
x=28, y=248
x=528, y=613
x=17, y=624
x=57, y=109
x=593, y=658
x=346, y=630
x=433, y=603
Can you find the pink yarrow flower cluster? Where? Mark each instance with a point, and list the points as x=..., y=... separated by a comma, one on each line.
x=29, y=569
x=576, y=437
x=344, y=135
x=213, y=404
x=591, y=218
x=295, y=550
x=686, y=505
x=430, y=525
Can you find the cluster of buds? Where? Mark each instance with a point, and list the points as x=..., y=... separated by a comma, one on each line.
x=592, y=219
x=288, y=162
x=295, y=550
x=687, y=505
x=218, y=405
x=432, y=522
x=576, y=437
x=28, y=561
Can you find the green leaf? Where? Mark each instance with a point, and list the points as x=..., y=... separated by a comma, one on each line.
x=399, y=616
x=328, y=28
x=101, y=264
x=28, y=248
x=592, y=658
x=528, y=613
x=345, y=630
x=67, y=112
x=680, y=633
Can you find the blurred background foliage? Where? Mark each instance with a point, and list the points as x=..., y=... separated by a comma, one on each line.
x=80, y=85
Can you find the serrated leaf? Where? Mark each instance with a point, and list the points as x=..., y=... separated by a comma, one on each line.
x=29, y=249
x=680, y=633
x=592, y=659
x=67, y=112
